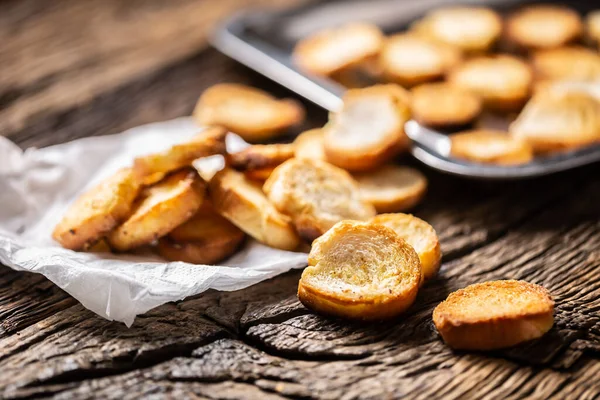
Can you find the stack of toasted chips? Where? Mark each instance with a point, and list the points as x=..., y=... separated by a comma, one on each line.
x=462, y=63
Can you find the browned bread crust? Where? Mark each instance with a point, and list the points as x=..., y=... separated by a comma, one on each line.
x=488, y=146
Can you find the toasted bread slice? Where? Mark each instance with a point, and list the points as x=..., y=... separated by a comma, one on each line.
x=309, y=144
x=331, y=50
x=316, y=195
x=555, y=121
x=502, y=81
x=251, y=113
x=543, y=26
x=410, y=59
x=261, y=156
x=471, y=29
x=206, y=238
x=98, y=211
x=242, y=202
x=592, y=23
x=362, y=271
x=392, y=188
x=152, y=168
x=567, y=64
x=159, y=209
x=369, y=129
x=420, y=235
x=494, y=315
x=443, y=106
x=488, y=146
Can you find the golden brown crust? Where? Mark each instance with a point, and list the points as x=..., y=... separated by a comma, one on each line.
x=261, y=156
x=489, y=146
x=380, y=281
x=443, y=106
x=243, y=203
x=316, y=195
x=592, y=23
x=309, y=144
x=331, y=50
x=543, y=26
x=251, y=113
x=159, y=209
x=567, y=64
x=98, y=211
x=420, y=235
x=502, y=81
x=152, y=168
x=369, y=129
x=392, y=188
x=410, y=59
x=494, y=315
x=559, y=120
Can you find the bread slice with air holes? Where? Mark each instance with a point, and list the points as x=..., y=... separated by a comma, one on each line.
x=362, y=271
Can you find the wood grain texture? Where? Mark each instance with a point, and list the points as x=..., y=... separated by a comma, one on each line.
x=113, y=65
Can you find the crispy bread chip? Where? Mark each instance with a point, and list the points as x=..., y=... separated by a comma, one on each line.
x=360, y=271
x=243, y=203
x=443, y=106
x=471, y=29
x=309, y=144
x=494, y=315
x=592, y=23
x=206, y=238
x=488, y=146
x=410, y=59
x=331, y=50
x=97, y=211
x=159, y=209
x=261, y=156
x=152, y=168
x=392, y=188
x=543, y=26
x=251, y=113
x=556, y=120
x=567, y=64
x=369, y=129
x=503, y=82
x=316, y=195
x=420, y=235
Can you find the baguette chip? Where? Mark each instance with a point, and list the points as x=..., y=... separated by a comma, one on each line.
x=392, y=188
x=567, y=64
x=258, y=161
x=360, y=271
x=488, y=146
x=242, y=202
x=369, y=129
x=494, y=315
x=98, y=211
x=593, y=26
x=316, y=195
x=251, y=113
x=159, y=209
x=309, y=144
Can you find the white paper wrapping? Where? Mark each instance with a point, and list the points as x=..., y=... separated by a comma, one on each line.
x=36, y=187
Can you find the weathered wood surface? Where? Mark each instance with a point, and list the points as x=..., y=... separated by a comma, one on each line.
x=72, y=69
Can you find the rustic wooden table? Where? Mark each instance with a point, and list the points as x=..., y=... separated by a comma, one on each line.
x=71, y=69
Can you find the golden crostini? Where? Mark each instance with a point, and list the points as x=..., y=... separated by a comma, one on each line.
x=316, y=195
x=391, y=187
x=98, y=211
x=410, y=59
x=420, y=235
x=559, y=120
x=242, y=202
x=494, y=315
x=592, y=23
x=331, y=50
x=567, y=64
x=369, y=129
x=361, y=271
x=489, y=146
x=443, y=106
x=258, y=161
x=309, y=144
x=206, y=238
x=251, y=113
x=503, y=82
x=159, y=209
x=543, y=26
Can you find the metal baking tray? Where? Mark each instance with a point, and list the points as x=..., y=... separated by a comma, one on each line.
x=263, y=40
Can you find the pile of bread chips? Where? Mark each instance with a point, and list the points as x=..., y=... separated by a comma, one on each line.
x=462, y=62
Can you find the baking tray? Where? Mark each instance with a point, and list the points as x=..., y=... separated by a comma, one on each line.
x=264, y=39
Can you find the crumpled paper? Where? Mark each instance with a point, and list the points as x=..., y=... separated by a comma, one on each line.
x=36, y=187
